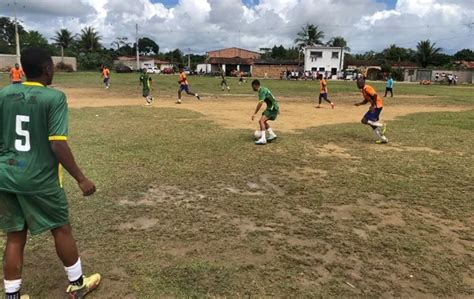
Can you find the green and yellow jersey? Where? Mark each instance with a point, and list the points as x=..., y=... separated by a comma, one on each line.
x=145, y=81
x=31, y=115
x=265, y=95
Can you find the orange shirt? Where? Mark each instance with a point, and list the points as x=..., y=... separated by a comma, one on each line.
x=369, y=92
x=105, y=72
x=182, y=78
x=16, y=74
x=322, y=86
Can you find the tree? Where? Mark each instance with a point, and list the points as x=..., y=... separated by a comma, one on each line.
x=7, y=34
x=121, y=42
x=338, y=42
x=394, y=53
x=33, y=39
x=89, y=39
x=309, y=36
x=425, y=52
x=464, y=54
x=64, y=38
x=147, y=46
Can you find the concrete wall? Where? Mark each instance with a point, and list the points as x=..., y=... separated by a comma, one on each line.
x=7, y=61
x=272, y=70
x=327, y=61
x=232, y=53
x=419, y=74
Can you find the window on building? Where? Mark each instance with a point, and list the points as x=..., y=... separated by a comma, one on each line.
x=335, y=55
x=334, y=71
x=316, y=54
x=321, y=69
x=411, y=72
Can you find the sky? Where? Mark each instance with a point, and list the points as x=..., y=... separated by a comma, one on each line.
x=198, y=26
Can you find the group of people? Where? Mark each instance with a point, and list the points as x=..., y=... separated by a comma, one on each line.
x=450, y=78
x=34, y=150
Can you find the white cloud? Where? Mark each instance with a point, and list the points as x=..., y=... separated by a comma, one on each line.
x=202, y=25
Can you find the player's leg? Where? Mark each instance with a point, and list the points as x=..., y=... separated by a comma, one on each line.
x=270, y=116
x=263, y=127
x=180, y=89
x=386, y=90
x=391, y=92
x=320, y=100
x=189, y=92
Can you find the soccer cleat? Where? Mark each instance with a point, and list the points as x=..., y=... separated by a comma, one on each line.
x=332, y=105
x=198, y=97
x=178, y=101
x=384, y=129
x=261, y=142
x=272, y=138
x=319, y=106
x=381, y=141
x=90, y=283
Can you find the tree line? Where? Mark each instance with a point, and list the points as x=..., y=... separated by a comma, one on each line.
x=87, y=47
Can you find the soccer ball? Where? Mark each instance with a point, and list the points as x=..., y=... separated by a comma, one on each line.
x=257, y=134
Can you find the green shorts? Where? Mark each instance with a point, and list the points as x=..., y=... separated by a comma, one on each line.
x=146, y=92
x=271, y=114
x=39, y=212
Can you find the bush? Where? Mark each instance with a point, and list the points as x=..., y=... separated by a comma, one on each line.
x=397, y=74
x=64, y=67
x=92, y=61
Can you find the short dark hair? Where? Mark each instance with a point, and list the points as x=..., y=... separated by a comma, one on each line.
x=34, y=60
x=255, y=82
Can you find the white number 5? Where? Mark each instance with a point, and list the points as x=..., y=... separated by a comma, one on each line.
x=22, y=145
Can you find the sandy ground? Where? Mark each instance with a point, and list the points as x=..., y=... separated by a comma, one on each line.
x=234, y=111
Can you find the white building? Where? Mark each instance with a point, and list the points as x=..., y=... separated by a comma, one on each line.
x=328, y=61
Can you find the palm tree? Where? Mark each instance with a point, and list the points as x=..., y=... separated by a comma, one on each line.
x=425, y=52
x=89, y=39
x=338, y=42
x=309, y=36
x=64, y=38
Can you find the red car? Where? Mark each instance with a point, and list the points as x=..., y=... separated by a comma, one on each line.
x=168, y=71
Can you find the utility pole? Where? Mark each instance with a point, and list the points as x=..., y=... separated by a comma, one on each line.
x=17, y=36
x=189, y=59
x=138, y=53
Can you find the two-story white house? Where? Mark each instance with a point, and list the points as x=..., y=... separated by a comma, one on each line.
x=328, y=61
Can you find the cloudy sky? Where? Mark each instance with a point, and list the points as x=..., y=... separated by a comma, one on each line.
x=201, y=25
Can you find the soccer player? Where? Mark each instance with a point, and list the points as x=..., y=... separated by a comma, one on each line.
x=270, y=113
x=389, y=87
x=106, y=76
x=145, y=81
x=224, y=84
x=323, y=92
x=372, y=117
x=241, y=78
x=16, y=74
x=33, y=151
x=184, y=86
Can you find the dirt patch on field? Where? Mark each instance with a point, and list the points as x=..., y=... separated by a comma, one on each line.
x=234, y=111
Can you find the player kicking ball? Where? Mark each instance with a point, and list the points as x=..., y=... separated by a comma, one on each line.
x=372, y=117
x=145, y=82
x=270, y=113
x=184, y=86
x=34, y=148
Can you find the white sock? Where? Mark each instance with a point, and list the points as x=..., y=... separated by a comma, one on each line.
x=264, y=137
x=378, y=133
x=374, y=123
x=270, y=131
x=12, y=286
x=75, y=271
x=197, y=96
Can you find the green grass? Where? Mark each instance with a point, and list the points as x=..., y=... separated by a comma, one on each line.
x=292, y=219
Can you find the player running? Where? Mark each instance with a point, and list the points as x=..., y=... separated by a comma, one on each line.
x=106, y=76
x=33, y=150
x=145, y=81
x=16, y=74
x=184, y=86
x=270, y=113
x=372, y=117
x=224, y=84
x=241, y=78
x=323, y=92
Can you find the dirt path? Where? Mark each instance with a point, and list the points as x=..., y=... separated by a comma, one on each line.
x=234, y=111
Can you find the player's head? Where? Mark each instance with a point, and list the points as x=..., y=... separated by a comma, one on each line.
x=320, y=77
x=144, y=70
x=255, y=85
x=38, y=64
x=360, y=82
x=17, y=66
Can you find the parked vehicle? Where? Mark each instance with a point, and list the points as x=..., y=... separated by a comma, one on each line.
x=123, y=69
x=168, y=71
x=153, y=70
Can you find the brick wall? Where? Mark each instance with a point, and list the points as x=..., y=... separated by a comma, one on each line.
x=7, y=61
x=232, y=53
x=273, y=71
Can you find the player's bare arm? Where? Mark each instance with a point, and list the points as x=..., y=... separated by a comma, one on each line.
x=64, y=155
x=361, y=103
x=259, y=106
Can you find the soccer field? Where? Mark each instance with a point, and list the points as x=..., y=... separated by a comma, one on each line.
x=188, y=206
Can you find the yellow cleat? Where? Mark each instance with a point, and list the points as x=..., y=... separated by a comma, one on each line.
x=90, y=283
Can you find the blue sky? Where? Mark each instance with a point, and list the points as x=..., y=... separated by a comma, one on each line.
x=169, y=3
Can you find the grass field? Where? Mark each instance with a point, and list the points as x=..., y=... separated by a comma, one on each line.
x=188, y=206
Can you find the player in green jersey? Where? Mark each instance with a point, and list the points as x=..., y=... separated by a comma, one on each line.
x=145, y=81
x=270, y=113
x=33, y=150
